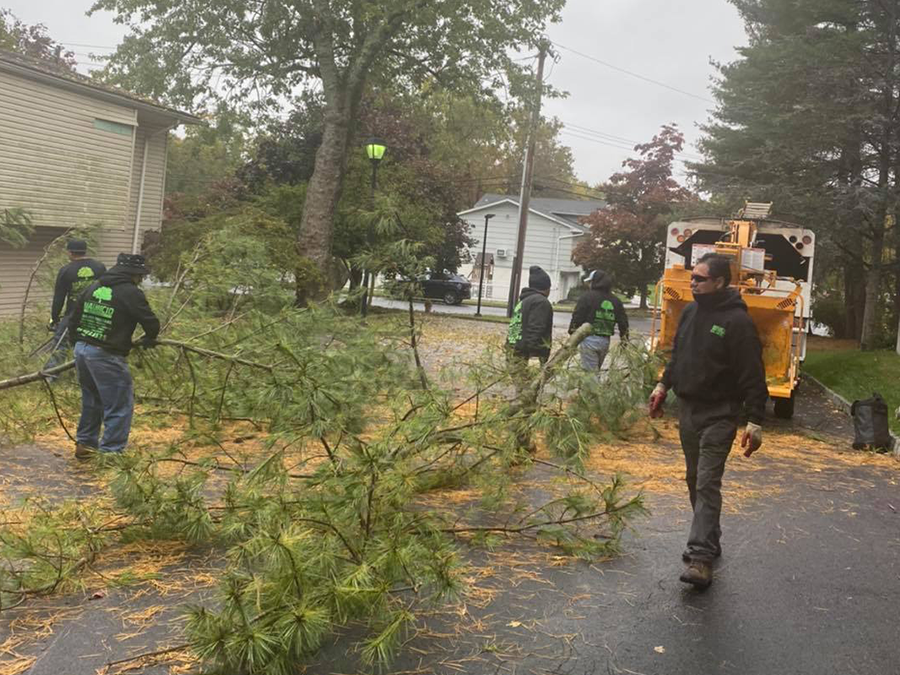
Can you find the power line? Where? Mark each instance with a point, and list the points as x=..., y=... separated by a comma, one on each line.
x=618, y=139
x=633, y=74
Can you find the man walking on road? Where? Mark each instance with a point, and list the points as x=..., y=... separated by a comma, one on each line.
x=716, y=369
x=530, y=334
x=531, y=327
x=103, y=321
x=604, y=311
x=79, y=273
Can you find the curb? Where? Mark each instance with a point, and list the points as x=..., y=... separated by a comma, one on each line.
x=844, y=406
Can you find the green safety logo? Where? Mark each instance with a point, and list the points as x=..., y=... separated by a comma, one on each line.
x=103, y=293
x=85, y=272
x=604, y=319
x=514, y=334
x=717, y=330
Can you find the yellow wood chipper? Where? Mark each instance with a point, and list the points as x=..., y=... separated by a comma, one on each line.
x=771, y=267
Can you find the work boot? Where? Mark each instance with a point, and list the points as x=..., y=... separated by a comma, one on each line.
x=698, y=573
x=84, y=451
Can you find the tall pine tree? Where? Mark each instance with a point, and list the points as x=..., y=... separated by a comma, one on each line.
x=807, y=118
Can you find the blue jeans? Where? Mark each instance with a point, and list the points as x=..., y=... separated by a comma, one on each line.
x=107, y=395
x=593, y=352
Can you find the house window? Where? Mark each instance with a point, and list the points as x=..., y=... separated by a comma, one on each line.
x=113, y=127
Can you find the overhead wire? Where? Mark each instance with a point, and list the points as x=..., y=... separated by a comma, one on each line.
x=633, y=74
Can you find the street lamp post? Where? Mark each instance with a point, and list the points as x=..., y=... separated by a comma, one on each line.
x=487, y=217
x=375, y=152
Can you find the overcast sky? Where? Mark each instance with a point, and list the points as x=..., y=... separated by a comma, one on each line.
x=607, y=110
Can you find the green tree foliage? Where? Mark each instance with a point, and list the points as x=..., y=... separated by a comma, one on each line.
x=807, y=118
x=628, y=238
x=15, y=227
x=205, y=156
x=32, y=41
x=326, y=523
x=258, y=54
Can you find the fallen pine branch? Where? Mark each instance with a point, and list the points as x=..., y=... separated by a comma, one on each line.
x=68, y=365
x=528, y=399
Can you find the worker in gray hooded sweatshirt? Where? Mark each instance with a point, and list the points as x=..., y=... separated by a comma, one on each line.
x=604, y=311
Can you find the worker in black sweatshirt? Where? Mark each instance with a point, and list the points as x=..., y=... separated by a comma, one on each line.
x=531, y=327
x=716, y=369
x=104, y=319
x=72, y=278
x=604, y=311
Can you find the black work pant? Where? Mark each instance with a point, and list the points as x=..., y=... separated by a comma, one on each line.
x=707, y=431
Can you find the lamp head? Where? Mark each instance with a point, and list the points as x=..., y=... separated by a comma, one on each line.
x=375, y=148
x=488, y=216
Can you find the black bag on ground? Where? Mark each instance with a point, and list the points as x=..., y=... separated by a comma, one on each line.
x=870, y=423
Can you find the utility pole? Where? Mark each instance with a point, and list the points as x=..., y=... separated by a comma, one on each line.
x=487, y=217
x=527, y=179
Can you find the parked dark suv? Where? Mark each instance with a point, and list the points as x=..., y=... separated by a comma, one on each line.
x=446, y=286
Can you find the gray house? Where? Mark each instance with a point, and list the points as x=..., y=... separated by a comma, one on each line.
x=552, y=232
x=74, y=152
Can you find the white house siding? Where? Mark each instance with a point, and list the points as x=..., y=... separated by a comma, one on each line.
x=16, y=267
x=543, y=247
x=120, y=240
x=54, y=161
x=70, y=159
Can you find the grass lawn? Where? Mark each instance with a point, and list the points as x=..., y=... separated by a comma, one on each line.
x=855, y=375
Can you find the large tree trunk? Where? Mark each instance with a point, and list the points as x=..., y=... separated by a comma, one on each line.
x=869, y=335
x=317, y=223
x=854, y=301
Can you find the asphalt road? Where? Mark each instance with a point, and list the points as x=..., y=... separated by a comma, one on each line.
x=807, y=585
x=560, y=319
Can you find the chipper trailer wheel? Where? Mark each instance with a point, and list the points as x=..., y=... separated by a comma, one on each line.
x=784, y=407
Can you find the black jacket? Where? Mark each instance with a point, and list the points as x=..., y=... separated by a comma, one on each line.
x=531, y=327
x=73, y=278
x=717, y=354
x=602, y=310
x=108, y=311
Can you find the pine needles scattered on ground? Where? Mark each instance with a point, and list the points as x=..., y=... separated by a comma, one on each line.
x=325, y=511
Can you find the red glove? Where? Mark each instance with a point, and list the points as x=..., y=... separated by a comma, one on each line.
x=657, y=399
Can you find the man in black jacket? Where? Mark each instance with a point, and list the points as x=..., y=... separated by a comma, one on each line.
x=72, y=278
x=103, y=321
x=604, y=311
x=716, y=369
x=531, y=327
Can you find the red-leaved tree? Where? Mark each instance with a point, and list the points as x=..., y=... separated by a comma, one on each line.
x=628, y=237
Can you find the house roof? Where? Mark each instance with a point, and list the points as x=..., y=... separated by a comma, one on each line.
x=570, y=211
x=43, y=71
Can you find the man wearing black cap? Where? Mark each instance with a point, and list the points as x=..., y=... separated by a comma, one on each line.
x=530, y=334
x=103, y=321
x=73, y=277
x=604, y=311
x=531, y=327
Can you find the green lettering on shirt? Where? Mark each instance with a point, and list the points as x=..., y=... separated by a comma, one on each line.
x=717, y=330
x=604, y=319
x=514, y=334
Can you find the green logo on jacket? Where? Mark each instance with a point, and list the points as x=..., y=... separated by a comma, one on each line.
x=103, y=293
x=604, y=319
x=85, y=272
x=514, y=334
x=717, y=330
